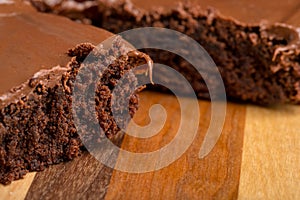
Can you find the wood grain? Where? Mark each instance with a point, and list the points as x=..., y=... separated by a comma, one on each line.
x=271, y=155
x=84, y=177
x=215, y=177
x=17, y=189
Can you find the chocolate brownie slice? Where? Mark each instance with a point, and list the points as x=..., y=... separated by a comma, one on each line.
x=259, y=63
x=37, y=127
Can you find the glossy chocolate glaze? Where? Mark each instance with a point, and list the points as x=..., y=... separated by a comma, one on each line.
x=31, y=41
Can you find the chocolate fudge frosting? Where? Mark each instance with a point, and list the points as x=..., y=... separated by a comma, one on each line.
x=259, y=62
x=37, y=126
x=31, y=41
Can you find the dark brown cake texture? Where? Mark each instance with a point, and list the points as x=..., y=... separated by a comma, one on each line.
x=259, y=63
x=37, y=127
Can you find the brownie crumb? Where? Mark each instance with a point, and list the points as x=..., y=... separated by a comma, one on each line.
x=38, y=129
x=259, y=63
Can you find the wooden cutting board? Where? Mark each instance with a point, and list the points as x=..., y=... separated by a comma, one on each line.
x=256, y=157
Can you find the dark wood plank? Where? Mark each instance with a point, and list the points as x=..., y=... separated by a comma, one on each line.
x=214, y=177
x=84, y=178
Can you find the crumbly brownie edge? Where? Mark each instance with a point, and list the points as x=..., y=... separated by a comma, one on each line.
x=258, y=63
x=38, y=130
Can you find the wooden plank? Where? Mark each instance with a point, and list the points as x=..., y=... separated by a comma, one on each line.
x=17, y=189
x=271, y=155
x=216, y=176
x=84, y=177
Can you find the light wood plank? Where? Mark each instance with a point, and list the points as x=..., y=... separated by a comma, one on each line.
x=271, y=155
x=17, y=189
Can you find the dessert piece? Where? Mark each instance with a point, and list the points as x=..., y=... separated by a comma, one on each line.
x=259, y=63
x=38, y=76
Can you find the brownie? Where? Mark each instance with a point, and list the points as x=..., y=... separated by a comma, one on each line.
x=259, y=63
x=37, y=126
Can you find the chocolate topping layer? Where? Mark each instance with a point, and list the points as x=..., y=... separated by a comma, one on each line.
x=31, y=41
x=37, y=126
